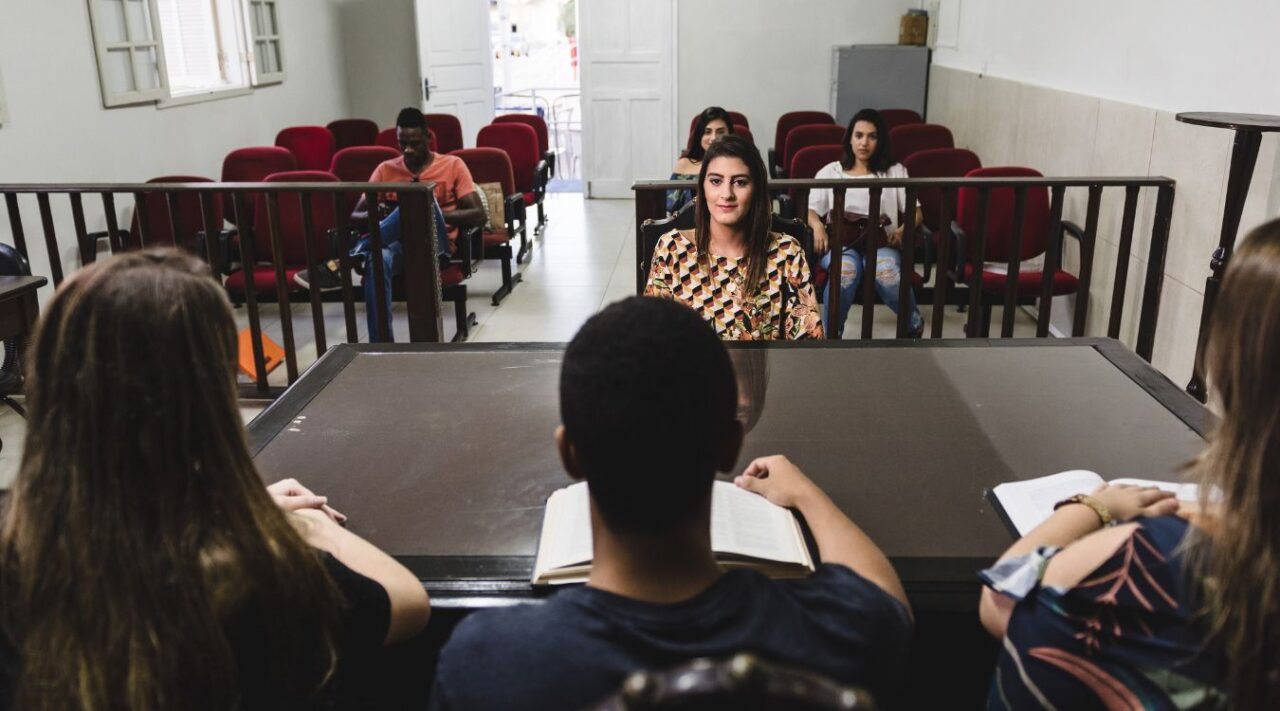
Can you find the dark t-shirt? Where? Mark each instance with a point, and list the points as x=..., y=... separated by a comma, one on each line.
x=364, y=620
x=579, y=647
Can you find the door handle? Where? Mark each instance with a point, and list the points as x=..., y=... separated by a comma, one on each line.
x=427, y=86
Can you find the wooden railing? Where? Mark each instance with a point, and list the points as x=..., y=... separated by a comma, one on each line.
x=651, y=205
x=421, y=269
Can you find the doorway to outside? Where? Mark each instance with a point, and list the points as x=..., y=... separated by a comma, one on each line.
x=535, y=70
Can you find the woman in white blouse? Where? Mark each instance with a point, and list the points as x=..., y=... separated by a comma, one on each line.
x=866, y=155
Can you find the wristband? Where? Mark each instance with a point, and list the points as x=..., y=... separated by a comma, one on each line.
x=1103, y=514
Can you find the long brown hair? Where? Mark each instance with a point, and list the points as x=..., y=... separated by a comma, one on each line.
x=755, y=223
x=139, y=538
x=1240, y=561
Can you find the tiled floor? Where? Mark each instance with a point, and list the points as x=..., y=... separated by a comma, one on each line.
x=584, y=261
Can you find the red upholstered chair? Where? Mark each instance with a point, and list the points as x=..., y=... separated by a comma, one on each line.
x=521, y=144
x=292, y=236
x=448, y=130
x=899, y=117
x=918, y=137
x=810, y=135
x=311, y=145
x=740, y=130
x=188, y=220
x=251, y=165
x=352, y=132
x=491, y=165
x=738, y=119
x=937, y=163
x=1000, y=240
x=387, y=139
x=539, y=127
x=786, y=122
x=355, y=165
x=805, y=164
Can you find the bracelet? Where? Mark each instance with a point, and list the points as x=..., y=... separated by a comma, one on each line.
x=1103, y=514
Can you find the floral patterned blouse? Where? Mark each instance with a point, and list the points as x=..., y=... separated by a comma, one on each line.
x=784, y=309
x=1126, y=637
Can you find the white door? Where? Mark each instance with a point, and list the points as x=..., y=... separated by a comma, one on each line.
x=454, y=61
x=627, y=50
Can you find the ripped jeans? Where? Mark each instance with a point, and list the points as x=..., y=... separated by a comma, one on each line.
x=888, y=275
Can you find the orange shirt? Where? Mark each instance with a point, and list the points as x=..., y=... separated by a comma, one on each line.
x=449, y=173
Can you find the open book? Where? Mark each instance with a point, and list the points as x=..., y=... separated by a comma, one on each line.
x=1026, y=504
x=746, y=531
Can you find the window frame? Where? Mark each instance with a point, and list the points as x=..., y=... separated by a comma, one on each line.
x=102, y=48
x=253, y=37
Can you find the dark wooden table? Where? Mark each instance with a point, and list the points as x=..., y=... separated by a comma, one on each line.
x=443, y=455
x=1244, y=155
x=19, y=305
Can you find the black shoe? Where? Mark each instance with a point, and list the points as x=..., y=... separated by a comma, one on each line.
x=326, y=278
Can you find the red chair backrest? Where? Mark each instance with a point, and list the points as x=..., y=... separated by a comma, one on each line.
x=899, y=117
x=539, y=127
x=448, y=130
x=805, y=164
x=521, y=145
x=387, y=139
x=355, y=165
x=738, y=119
x=938, y=163
x=790, y=120
x=811, y=135
x=251, y=165
x=740, y=130
x=489, y=165
x=999, y=240
x=291, y=225
x=352, y=132
x=312, y=146
x=187, y=216
x=919, y=137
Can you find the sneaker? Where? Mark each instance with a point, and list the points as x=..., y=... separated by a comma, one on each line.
x=326, y=278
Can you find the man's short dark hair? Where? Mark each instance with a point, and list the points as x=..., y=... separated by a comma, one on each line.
x=648, y=399
x=410, y=117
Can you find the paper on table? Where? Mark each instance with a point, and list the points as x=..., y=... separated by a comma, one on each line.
x=1028, y=503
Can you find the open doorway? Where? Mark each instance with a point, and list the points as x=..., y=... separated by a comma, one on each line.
x=535, y=70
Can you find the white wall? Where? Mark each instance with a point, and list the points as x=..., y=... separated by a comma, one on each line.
x=765, y=58
x=380, y=58
x=1173, y=55
x=58, y=131
x=1088, y=88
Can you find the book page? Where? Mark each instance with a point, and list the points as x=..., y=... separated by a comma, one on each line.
x=566, y=530
x=747, y=524
x=1184, y=492
x=1028, y=503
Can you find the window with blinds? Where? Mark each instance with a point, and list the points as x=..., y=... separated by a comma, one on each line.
x=203, y=50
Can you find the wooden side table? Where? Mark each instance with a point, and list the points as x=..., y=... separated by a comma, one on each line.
x=1244, y=155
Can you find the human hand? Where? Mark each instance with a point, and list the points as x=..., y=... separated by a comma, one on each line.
x=820, y=242
x=1125, y=501
x=895, y=238
x=290, y=495
x=778, y=480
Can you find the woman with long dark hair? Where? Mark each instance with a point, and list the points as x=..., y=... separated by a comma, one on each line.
x=711, y=125
x=143, y=564
x=866, y=154
x=1114, y=601
x=749, y=283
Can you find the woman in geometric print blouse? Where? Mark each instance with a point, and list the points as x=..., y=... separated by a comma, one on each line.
x=1164, y=611
x=749, y=283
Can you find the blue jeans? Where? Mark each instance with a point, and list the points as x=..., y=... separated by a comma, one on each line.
x=888, y=277
x=392, y=264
